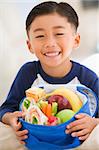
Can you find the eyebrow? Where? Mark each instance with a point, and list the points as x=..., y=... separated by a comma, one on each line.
x=38, y=29
x=59, y=27
x=56, y=27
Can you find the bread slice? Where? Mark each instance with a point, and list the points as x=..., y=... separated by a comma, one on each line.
x=35, y=92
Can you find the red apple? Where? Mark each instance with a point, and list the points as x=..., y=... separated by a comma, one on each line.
x=63, y=103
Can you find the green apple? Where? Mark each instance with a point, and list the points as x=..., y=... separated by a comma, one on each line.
x=65, y=115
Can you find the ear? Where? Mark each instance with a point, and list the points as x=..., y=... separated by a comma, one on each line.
x=29, y=46
x=76, y=41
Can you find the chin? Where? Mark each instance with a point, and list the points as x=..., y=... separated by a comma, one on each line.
x=53, y=65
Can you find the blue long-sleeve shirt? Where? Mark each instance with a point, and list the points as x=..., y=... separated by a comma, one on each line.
x=32, y=73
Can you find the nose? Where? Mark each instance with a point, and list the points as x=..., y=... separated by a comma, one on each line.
x=50, y=42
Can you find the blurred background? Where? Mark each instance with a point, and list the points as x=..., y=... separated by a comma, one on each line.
x=13, y=49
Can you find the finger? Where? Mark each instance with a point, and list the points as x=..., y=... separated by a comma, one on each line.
x=23, y=115
x=21, y=133
x=22, y=142
x=74, y=123
x=80, y=133
x=16, y=125
x=75, y=128
x=81, y=115
x=22, y=138
x=82, y=138
x=18, y=113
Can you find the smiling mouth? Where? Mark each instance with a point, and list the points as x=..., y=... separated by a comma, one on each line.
x=52, y=54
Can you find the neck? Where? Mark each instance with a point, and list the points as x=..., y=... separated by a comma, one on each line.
x=59, y=71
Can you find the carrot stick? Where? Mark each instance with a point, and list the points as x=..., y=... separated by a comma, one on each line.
x=49, y=110
x=44, y=108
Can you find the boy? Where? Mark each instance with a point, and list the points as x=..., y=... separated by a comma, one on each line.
x=52, y=35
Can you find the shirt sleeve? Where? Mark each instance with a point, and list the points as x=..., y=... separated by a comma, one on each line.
x=23, y=81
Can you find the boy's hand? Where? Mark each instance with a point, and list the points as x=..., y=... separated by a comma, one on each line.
x=16, y=125
x=12, y=120
x=82, y=127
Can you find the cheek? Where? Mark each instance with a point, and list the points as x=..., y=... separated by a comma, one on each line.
x=67, y=46
x=36, y=44
x=68, y=43
x=36, y=49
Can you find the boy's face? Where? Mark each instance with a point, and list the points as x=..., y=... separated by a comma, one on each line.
x=52, y=38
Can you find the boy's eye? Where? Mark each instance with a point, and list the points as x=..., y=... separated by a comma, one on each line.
x=59, y=34
x=39, y=36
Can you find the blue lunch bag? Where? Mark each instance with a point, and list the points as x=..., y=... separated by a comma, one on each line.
x=42, y=137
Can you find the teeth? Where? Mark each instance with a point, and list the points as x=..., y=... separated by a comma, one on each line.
x=52, y=54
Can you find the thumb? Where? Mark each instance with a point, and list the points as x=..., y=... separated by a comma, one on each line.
x=18, y=114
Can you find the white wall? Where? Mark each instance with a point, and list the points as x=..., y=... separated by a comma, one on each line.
x=13, y=49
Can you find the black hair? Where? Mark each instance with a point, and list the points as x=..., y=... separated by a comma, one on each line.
x=49, y=7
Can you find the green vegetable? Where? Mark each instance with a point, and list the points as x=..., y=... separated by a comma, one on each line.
x=26, y=103
x=34, y=121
